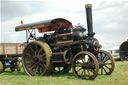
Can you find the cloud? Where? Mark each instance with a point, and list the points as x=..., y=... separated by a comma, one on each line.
x=111, y=23
x=14, y=9
x=0, y=32
x=8, y=34
x=109, y=17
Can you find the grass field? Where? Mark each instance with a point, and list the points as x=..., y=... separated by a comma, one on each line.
x=118, y=77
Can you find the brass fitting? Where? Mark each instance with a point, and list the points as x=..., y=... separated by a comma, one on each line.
x=88, y=6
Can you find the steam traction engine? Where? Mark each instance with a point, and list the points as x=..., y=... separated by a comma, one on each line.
x=63, y=49
x=124, y=50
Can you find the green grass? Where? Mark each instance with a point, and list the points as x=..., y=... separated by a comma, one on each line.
x=118, y=77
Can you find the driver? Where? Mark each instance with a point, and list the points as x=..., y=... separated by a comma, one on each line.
x=62, y=29
x=79, y=31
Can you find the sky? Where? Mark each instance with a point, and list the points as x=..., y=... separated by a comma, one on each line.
x=110, y=17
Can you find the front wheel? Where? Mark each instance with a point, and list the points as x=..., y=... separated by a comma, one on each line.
x=85, y=66
x=106, y=62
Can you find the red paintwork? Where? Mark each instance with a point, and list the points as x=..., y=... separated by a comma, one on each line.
x=54, y=25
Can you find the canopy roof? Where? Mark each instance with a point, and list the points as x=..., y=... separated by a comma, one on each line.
x=45, y=26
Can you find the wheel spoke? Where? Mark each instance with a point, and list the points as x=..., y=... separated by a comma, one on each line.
x=106, y=60
x=82, y=73
x=107, y=67
x=43, y=60
x=29, y=60
x=101, y=71
x=92, y=70
x=31, y=49
x=36, y=50
x=100, y=56
x=39, y=51
x=40, y=69
x=108, y=63
x=33, y=67
x=42, y=65
x=27, y=54
x=59, y=69
x=36, y=69
x=92, y=66
x=79, y=69
x=104, y=70
x=78, y=65
x=43, y=55
x=31, y=64
x=104, y=57
x=88, y=72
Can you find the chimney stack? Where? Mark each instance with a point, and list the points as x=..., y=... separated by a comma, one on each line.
x=89, y=20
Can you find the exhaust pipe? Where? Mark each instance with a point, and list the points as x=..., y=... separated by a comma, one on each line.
x=89, y=20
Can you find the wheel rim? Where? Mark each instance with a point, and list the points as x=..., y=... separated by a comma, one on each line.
x=85, y=66
x=35, y=59
x=1, y=67
x=18, y=66
x=106, y=63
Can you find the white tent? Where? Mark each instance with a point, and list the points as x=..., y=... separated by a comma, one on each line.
x=114, y=48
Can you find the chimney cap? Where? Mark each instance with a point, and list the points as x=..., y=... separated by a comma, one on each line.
x=88, y=6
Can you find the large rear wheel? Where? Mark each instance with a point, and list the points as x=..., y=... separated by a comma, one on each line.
x=37, y=58
x=85, y=66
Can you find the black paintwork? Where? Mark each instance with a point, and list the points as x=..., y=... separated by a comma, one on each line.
x=89, y=22
x=46, y=23
x=58, y=44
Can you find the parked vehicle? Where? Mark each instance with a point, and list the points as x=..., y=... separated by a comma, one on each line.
x=9, y=56
x=114, y=51
x=63, y=49
x=123, y=51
